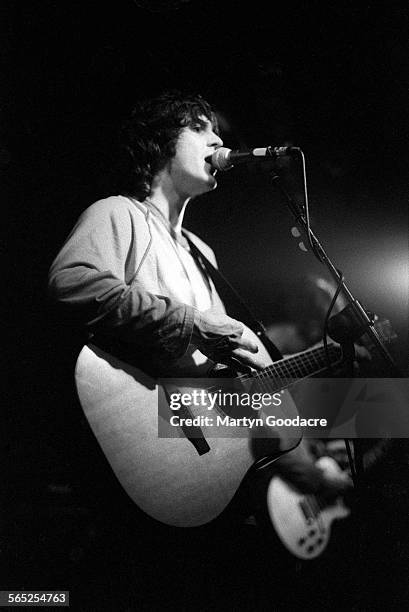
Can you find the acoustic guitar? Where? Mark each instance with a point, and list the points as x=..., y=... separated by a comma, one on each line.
x=166, y=476
x=169, y=478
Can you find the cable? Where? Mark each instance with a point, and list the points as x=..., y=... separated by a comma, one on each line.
x=327, y=316
x=307, y=209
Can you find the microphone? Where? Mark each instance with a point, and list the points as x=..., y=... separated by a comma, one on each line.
x=224, y=159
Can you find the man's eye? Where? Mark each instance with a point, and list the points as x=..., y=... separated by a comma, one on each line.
x=197, y=127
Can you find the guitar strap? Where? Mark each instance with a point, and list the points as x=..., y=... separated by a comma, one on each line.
x=241, y=311
x=230, y=296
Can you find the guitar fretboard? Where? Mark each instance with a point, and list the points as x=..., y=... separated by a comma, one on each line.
x=285, y=372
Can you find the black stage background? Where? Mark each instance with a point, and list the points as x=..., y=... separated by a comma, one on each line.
x=331, y=78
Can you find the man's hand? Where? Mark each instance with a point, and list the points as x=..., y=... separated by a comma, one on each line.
x=222, y=339
x=334, y=484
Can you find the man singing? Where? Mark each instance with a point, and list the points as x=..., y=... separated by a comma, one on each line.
x=133, y=280
x=126, y=270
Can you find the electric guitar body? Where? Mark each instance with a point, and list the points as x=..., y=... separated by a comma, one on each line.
x=303, y=522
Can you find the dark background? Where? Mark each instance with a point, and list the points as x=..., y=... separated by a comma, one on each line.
x=331, y=78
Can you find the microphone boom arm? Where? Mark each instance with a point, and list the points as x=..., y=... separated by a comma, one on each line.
x=356, y=307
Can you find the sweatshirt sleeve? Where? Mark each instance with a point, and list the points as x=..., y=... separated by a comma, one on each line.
x=88, y=277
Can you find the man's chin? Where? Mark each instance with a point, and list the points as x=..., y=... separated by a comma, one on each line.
x=209, y=185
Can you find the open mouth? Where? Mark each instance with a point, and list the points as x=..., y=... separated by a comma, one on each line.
x=211, y=169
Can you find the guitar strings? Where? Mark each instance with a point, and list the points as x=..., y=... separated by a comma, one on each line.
x=295, y=367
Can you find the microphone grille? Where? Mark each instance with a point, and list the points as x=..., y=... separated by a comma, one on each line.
x=221, y=159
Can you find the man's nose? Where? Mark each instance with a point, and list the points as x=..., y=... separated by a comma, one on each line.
x=216, y=141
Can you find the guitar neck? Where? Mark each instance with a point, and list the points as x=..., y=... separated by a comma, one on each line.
x=285, y=372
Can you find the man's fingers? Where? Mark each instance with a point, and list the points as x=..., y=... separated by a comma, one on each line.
x=362, y=353
x=249, y=359
x=246, y=344
x=220, y=338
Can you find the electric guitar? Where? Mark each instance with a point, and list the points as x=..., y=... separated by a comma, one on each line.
x=169, y=478
x=303, y=522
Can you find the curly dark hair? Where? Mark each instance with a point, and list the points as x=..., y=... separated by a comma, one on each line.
x=148, y=138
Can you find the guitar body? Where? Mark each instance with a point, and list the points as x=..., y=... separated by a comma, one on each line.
x=166, y=477
x=300, y=521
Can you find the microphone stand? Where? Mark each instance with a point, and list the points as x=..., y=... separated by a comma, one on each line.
x=356, y=320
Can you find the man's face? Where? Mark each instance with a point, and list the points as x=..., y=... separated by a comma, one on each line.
x=190, y=173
